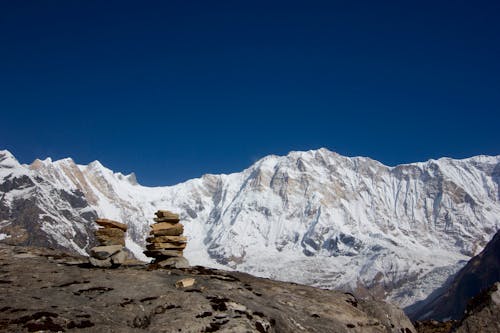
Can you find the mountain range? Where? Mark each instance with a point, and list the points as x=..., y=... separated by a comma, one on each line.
x=315, y=217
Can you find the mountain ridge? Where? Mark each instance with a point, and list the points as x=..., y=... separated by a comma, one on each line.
x=443, y=158
x=331, y=220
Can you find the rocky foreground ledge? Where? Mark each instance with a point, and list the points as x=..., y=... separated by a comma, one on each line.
x=50, y=291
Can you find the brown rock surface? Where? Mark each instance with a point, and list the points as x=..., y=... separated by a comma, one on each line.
x=434, y=326
x=167, y=214
x=165, y=219
x=162, y=226
x=174, y=230
x=110, y=236
x=184, y=283
x=171, y=239
x=45, y=290
x=111, y=224
x=167, y=241
x=160, y=246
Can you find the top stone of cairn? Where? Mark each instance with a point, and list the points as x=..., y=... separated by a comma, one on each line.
x=111, y=224
x=166, y=216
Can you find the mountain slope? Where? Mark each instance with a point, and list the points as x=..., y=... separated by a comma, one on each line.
x=35, y=211
x=314, y=217
x=480, y=273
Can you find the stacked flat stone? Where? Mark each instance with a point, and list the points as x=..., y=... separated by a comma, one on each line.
x=166, y=243
x=111, y=238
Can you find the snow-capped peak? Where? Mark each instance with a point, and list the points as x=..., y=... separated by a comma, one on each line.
x=7, y=160
x=314, y=217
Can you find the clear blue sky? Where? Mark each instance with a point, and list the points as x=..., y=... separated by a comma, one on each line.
x=175, y=89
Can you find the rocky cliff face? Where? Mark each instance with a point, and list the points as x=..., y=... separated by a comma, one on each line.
x=313, y=217
x=483, y=312
x=50, y=291
x=450, y=302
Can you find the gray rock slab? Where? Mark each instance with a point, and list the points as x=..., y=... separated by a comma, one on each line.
x=119, y=258
x=103, y=252
x=104, y=263
x=177, y=262
x=37, y=292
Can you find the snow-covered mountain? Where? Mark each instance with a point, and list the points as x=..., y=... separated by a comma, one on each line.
x=313, y=217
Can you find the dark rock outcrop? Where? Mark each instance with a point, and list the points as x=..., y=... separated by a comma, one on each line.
x=479, y=274
x=483, y=313
x=434, y=326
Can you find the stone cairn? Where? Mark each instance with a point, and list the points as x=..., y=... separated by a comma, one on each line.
x=111, y=238
x=166, y=242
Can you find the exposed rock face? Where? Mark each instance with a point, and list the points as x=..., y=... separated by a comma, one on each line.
x=480, y=273
x=483, y=313
x=318, y=217
x=47, y=290
x=434, y=326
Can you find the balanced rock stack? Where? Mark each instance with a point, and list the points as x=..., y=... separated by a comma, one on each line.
x=111, y=238
x=167, y=244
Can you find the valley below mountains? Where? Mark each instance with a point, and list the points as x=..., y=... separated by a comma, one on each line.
x=316, y=217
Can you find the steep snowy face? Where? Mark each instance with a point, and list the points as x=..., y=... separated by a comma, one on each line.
x=36, y=211
x=313, y=217
x=328, y=220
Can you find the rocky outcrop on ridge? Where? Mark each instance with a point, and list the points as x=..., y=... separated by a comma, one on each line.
x=50, y=291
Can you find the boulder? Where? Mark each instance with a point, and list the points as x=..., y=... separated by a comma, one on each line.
x=111, y=224
x=103, y=252
x=184, y=283
x=119, y=258
x=105, y=263
x=177, y=262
